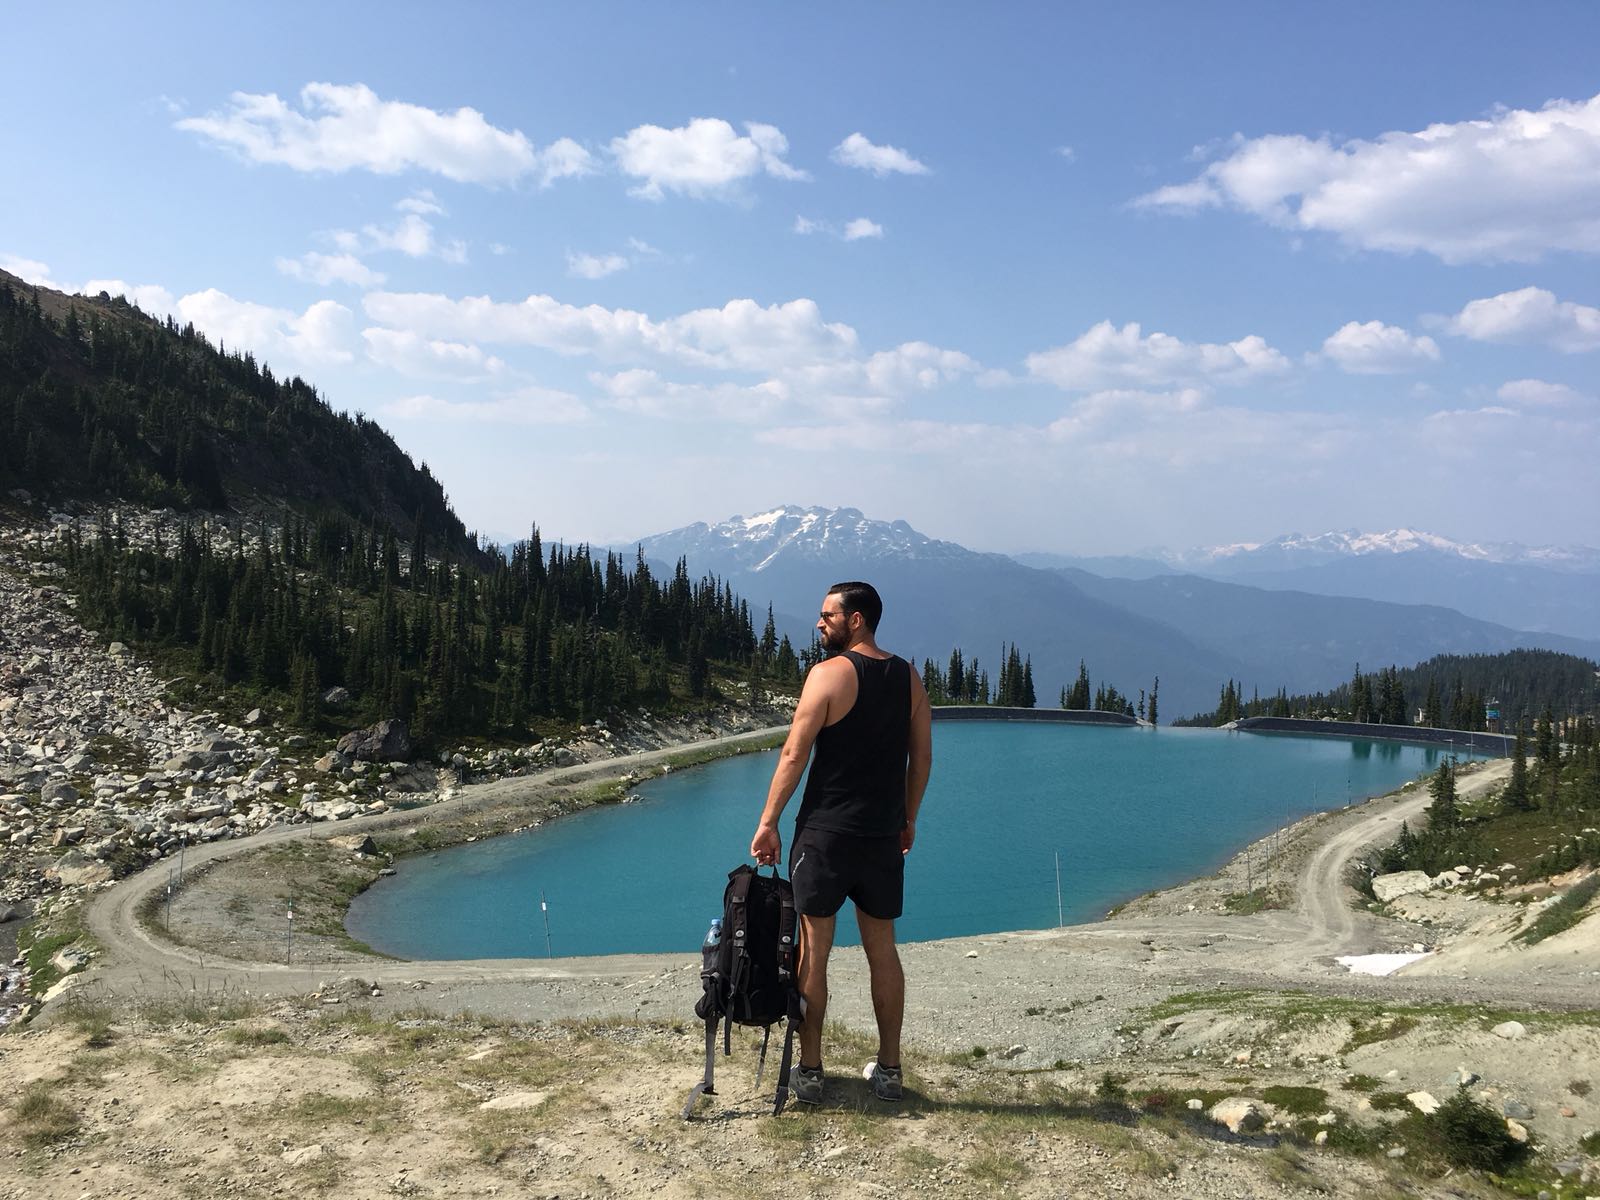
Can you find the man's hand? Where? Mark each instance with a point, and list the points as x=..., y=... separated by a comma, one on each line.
x=767, y=846
x=907, y=836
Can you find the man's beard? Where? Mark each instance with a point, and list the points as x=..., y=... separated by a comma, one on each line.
x=835, y=643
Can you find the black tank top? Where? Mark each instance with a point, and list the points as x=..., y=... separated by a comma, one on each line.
x=857, y=783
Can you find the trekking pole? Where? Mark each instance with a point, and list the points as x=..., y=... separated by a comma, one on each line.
x=1060, y=917
x=544, y=909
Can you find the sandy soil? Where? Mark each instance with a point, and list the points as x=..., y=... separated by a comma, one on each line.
x=1175, y=993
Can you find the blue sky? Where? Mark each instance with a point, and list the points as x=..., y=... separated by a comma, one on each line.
x=1028, y=276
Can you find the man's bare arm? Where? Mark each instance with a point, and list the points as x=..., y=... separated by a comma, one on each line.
x=810, y=715
x=919, y=758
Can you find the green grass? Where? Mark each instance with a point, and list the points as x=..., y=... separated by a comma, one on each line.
x=40, y=1118
x=1301, y=1101
x=1389, y=1102
x=1563, y=913
x=47, y=933
x=1362, y=1083
x=995, y=1167
x=1261, y=899
x=258, y=1037
x=1380, y=1029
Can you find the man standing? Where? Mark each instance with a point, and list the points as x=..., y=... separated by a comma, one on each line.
x=867, y=714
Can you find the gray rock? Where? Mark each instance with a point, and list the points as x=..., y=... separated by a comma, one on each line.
x=75, y=868
x=58, y=791
x=1509, y=1029
x=565, y=757
x=1461, y=1077
x=1519, y=1109
x=253, y=717
x=1239, y=1114
x=383, y=742
x=304, y=1155
x=331, y=761
x=1517, y=1130
x=1399, y=883
x=117, y=650
x=514, y=1101
x=336, y=697
x=1423, y=1102
x=1395, y=1152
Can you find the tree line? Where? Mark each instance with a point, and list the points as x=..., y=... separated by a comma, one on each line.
x=1448, y=691
x=289, y=611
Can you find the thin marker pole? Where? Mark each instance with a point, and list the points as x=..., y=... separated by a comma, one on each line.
x=544, y=909
x=288, y=954
x=1060, y=916
x=169, y=901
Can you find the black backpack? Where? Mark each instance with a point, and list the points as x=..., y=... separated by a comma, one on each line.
x=749, y=977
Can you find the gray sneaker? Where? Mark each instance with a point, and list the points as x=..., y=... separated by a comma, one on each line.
x=805, y=1084
x=885, y=1081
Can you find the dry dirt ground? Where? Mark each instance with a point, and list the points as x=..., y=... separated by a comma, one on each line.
x=176, y=1071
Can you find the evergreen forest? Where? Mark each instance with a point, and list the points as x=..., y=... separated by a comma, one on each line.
x=1448, y=691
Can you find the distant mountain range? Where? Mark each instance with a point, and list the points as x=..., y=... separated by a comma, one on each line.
x=1544, y=589
x=1193, y=632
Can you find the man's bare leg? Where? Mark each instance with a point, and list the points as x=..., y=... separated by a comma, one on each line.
x=816, y=942
x=888, y=984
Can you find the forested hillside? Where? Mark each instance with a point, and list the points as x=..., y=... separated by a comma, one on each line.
x=310, y=552
x=99, y=401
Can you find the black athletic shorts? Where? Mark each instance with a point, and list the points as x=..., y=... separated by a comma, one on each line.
x=826, y=868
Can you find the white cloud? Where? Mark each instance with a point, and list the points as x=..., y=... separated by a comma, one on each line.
x=1067, y=152
x=150, y=297
x=1108, y=357
x=326, y=269
x=852, y=231
x=740, y=335
x=348, y=127
x=706, y=157
x=319, y=336
x=1536, y=393
x=1529, y=316
x=595, y=266
x=1373, y=348
x=857, y=151
x=645, y=393
x=1511, y=186
x=525, y=406
x=422, y=202
x=885, y=375
x=411, y=236
x=29, y=270
x=414, y=355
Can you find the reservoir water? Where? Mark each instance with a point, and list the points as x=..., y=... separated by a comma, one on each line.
x=1127, y=809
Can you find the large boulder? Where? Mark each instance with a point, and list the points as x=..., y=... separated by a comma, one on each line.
x=1400, y=883
x=387, y=741
x=1239, y=1114
x=76, y=868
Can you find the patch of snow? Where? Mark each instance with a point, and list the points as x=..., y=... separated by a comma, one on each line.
x=1377, y=964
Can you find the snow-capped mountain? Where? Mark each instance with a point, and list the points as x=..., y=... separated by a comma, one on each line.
x=1192, y=632
x=1298, y=550
x=1549, y=589
x=792, y=533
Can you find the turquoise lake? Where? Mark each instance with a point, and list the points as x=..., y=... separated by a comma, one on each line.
x=1127, y=809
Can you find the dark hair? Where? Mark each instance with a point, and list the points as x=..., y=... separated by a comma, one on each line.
x=857, y=597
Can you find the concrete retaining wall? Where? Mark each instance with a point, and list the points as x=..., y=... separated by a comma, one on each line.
x=1489, y=743
x=992, y=712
